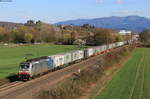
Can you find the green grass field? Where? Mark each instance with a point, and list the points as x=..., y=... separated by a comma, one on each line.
x=11, y=55
x=132, y=81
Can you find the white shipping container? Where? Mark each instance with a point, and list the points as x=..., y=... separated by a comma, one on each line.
x=67, y=58
x=101, y=48
x=121, y=43
x=58, y=60
x=105, y=47
x=90, y=52
x=74, y=56
x=80, y=54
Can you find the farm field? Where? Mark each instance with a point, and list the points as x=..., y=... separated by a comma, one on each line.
x=11, y=55
x=132, y=81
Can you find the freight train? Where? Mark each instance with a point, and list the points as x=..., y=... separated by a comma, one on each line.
x=34, y=67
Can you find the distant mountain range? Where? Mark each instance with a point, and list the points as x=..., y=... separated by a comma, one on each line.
x=135, y=23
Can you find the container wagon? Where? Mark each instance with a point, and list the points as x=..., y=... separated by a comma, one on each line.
x=34, y=67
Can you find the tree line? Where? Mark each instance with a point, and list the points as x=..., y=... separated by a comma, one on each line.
x=145, y=36
x=32, y=32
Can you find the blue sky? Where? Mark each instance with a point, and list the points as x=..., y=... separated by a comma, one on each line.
x=52, y=11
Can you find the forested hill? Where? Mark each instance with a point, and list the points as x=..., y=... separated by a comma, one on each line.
x=10, y=24
x=128, y=23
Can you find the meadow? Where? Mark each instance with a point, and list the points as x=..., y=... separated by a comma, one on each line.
x=132, y=81
x=11, y=55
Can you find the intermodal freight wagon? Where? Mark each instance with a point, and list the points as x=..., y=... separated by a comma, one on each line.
x=34, y=67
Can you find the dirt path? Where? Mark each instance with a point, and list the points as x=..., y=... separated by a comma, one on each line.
x=143, y=79
x=142, y=85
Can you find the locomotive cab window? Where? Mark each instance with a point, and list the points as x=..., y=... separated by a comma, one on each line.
x=24, y=66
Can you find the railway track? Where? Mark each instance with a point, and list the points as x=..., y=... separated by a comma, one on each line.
x=21, y=90
x=10, y=85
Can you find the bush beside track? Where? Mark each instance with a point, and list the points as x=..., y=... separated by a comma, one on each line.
x=77, y=86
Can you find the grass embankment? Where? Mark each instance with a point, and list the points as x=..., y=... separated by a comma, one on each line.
x=132, y=81
x=11, y=55
x=79, y=86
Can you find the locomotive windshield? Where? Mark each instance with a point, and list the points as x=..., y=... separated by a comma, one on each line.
x=24, y=66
